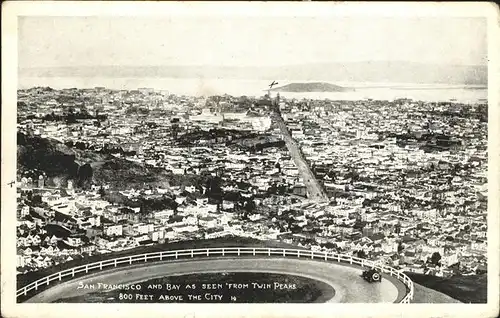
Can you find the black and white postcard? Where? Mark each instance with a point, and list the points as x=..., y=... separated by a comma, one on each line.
x=263, y=159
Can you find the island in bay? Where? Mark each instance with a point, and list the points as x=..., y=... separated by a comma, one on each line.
x=312, y=87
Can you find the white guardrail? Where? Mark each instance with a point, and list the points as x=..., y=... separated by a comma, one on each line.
x=224, y=251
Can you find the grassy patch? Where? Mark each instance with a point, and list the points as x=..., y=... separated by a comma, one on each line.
x=467, y=289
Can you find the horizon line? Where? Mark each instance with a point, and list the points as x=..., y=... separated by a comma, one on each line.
x=252, y=66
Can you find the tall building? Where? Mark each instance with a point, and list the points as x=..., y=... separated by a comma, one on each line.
x=70, y=190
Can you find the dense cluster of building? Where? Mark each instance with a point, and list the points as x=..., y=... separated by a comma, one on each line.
x=406, y=180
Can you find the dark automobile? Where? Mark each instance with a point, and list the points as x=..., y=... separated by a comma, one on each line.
x=372, y=275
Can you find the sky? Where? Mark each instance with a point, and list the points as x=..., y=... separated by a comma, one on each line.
x=245, y=41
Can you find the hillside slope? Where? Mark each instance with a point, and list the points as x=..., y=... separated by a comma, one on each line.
x=467, y=289
x=424, y=295
x=36, y=155
x=61, y=163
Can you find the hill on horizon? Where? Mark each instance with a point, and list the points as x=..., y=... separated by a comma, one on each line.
x=370, y=71
x=311, y=87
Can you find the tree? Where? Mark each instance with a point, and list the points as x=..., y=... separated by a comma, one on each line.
x=397, y=228
x=36, y=199
x=84, y=174
x=102, y=192
x=250, y=206
x=332, y=174
x=277, y=165
x=175, y=207
x=214, y=190
x=435, y=258
x=232, y=196
x=361, y=254
x=400, y=247
x=282, y=189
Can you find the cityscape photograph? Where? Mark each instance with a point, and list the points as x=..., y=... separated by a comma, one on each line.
x=224, y=159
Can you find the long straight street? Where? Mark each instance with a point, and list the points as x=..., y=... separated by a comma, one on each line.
x=314, y=189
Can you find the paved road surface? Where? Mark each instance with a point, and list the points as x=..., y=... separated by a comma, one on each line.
x=314, y=189
x=348, y=285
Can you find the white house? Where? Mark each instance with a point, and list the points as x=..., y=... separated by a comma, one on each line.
x=112, y=230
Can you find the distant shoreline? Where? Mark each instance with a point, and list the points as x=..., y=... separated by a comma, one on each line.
x=345, y=84
x=237, y=87
x=430, y=88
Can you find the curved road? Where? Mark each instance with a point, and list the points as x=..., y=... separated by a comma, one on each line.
x=349, y=286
